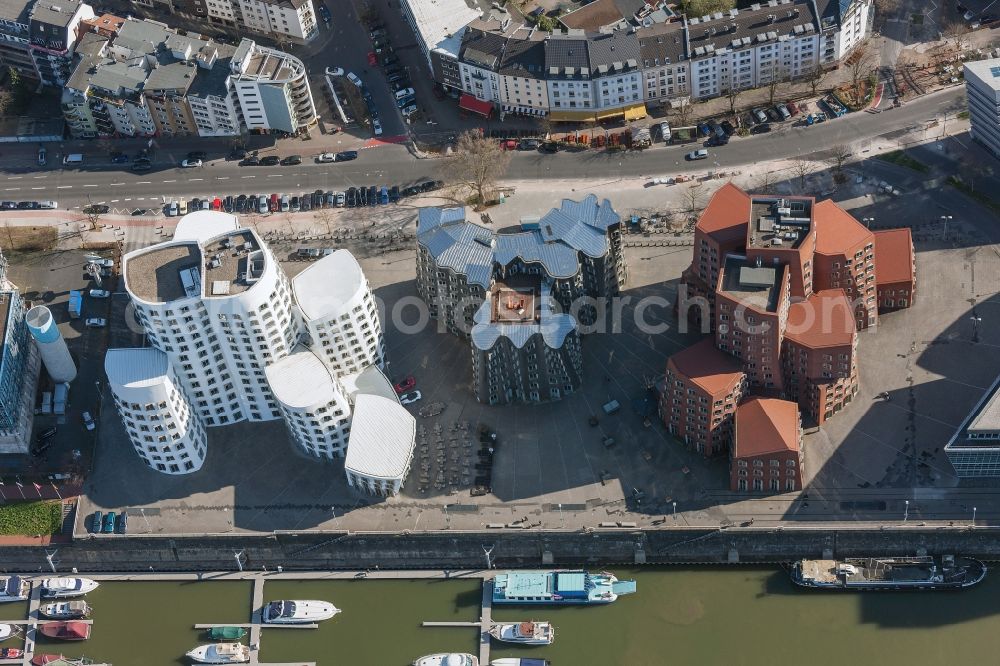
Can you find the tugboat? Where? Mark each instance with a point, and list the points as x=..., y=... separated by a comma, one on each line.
x=14, y=588
x=65, y=610
x=220, y=653
x=558, y=587
x=890, y=573
x=61, y=588
x=526, y=633
x=448, y=659
x=298, y=612
x=66, y=631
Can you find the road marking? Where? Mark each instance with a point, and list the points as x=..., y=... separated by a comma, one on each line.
x=244, y=177
x=170, y=181
x=38, y=188
x=115, y=200
x=15, y=177
x=142, y=198
x=36, y=177
x=128, y=199
x=194, y=179
x=11, y=189
x=223, y=178
x=90, y=185
x=143, y=182
x=64, y=187
x=275, y=175
x=113, y=184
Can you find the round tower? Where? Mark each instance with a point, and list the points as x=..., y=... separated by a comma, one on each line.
x=51, y=345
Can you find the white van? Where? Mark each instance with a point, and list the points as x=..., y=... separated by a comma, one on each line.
x=73, y=158
x=49, y=205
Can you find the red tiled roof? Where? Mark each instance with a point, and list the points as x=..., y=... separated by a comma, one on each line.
x=893, y=256
x=825, y=319
x=708, y=368
x=766, y=425
x=836, y=230
x=727, y=214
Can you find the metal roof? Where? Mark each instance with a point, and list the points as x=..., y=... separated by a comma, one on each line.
x=382, y=438
x=461, y=246
x=324, y=288
x=203, y=225
x=553, y=327
x=525, y=584
x=136, y=368
x=301, y=380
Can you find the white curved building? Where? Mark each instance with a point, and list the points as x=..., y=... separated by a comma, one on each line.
x=272, y=88
x=166, y=433
x=51, y=345
x=340, y=313
x=381, y=447
x=220, y=307
x=313, y=403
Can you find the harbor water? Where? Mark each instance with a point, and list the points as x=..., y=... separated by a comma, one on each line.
x=678, y=616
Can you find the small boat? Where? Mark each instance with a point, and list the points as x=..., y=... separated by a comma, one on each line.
x=519, y=661
x=226, y=633
x=65, y=610
x=11, y=653
x=14, y=588
x=59, y=660
x=527, y=633
x=298, y=612
x=66, y=631
x=6, y=631
x=220, y=653
x=448, y=659
x=889, y=573
x=60, y=588
x=558, y=587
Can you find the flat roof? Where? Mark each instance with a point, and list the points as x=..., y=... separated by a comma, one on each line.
x=779, y=222
x=438, y=21
x=301, y=380
x=383, y=435
x=753, y=285
x=527, y=584
x=154, y=274
x=987, y=71
x=515, y=300
x=981, y=428
x=229, y=260
x=136, y=368
x=326, y=286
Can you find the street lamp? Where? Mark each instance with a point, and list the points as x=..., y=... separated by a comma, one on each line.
x=975, y=327
x=906, y=510
x=674, y=504
x=973, y=518
x=50, y=558
x=868, y=221
x=945, y=219
x=239, y=562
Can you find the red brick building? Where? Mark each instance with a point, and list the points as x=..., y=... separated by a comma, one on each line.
x=702, y=388
x=845, y=259
x=896, y=270
x=820, y=354
x=767, y=447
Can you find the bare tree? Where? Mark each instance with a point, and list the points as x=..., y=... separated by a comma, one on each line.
x=957, y=36
x=476, y=165
x=778, y=76
x=840, y=153
x=682, y=109
x=767, y=182
x=694, y=198
x=802, y=168
x=859, y=66
x=886, y=8
x=814, y=77
x=326, y=218
x=733, y=96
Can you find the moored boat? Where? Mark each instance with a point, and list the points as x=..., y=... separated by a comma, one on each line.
x=6, y=631
x=519, y=661
x=226, y=633
x=59, y=588
x=14, y=588
x=59, y=660
x=11, y=653
x=448, y=659
x=66, y=631
x=220, y=653
x=889, y=573
x=558, y=587
x=65, y=610
x=297, y=612
x=526, y=633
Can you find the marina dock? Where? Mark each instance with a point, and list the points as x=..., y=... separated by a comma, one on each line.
x=484, y=623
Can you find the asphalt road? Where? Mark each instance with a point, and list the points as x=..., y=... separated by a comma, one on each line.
x=394, y=164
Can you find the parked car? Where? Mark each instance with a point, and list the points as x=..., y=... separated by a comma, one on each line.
x=431, y=185
x=27, y=205
x=341, y=200
x=782, y=111
x=270, y=160
x=351, y=197
x=376, y=127
x=123, y=522
x=406, y=92
x=305, y=202
x=171, y=209
x=109, y=523
x=394, y=194
x=793, y=108
x=404, y=385
x=228, y=203
x=12, y=205
x=346, y=155
x=409, y=111
x=760, y=115
x=410, y=398
x=717, y=140
x=383, y=196
x=353, y=78
x=326, y=157
x=48, y=205
x=262, y=206
x=696, y=155
x=92, y=209
x=728, y=128
x=46, y=435
x=763, y=128
x=97, y=522
x=119, y=158
x=42, y=161
x=99, y=293
x=704, y=129
x=141, y=166
x=274, y=203
x=285, y=203
x=95, y=322
x=241, y=203
x=665, y=131
x=373, y=195
x=528, y=144
x=187, y=164
x=292, y=160
x=88, y=421
x=324, y=13
x=404, y=102
x=294, y=205
x=250, y=160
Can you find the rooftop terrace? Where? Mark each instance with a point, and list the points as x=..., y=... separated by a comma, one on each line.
x=164, y=273
x=779, y=222
x=516, y=300
x=233, y=263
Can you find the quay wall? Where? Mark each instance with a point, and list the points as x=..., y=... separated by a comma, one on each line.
x=453, y=550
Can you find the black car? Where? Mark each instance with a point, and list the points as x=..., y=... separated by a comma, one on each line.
x=237, y=154
x=305, y=202
x=318, y=199
x=346, y=156
x=270, y=160
x=716, y=140
x=118, y=158
x=92, y=209
x=431, y=185
x=773, y=114
x=412, y=190
x=250, y=160
x=763, y=128
x=362, y=196
x=241, y=203
x=373, y=195
x=549, y=147
x=250, y=205
x=11, y=205
x=351, y=197
x=292, y=160
x=394, y=194
x=728, y=128
x=528, y=144
x=145, y=165
x=27, y=205
x=197, y=155
x=390, y=59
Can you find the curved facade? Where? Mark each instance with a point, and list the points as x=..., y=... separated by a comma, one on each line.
x=316, y=411
x=382, y=442
x=51, y=346
x=272, y=88
x=340, y=313
x=166, y=433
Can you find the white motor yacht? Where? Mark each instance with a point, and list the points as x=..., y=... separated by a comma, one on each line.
x=220, y=653
x=526, y=633
x=448, y=659
x=6, y=631
x=60, y=588
x=297, y=612
x=14, y=588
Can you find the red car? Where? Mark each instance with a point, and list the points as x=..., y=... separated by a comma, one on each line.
x=217, y=204
x=405, y=385
x=792, y=108
x=372, y=59
x=508, y=144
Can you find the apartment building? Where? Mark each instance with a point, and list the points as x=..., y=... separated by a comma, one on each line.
x=845, y=259
x=53, y=27
x=665, y=68
x=19, y=369
x=147, y=80
x=702, y=389
x=767, y=447
x=896, y=270
x=496, y=288
x=846, y=24
x=15, y=42
x=292, y=20
x=982, y=86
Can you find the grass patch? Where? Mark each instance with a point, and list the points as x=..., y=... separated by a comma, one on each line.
x=30, y=518
x=27, y=239
x=983, y=199
x=963, y=115
x=904, y=160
